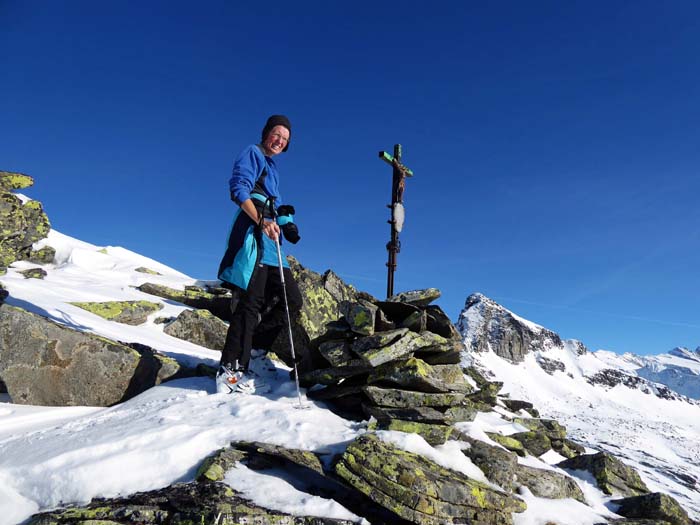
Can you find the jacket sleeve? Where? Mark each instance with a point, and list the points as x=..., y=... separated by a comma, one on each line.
x=246, y=170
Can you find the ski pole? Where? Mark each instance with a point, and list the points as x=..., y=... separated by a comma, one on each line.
x=289, y=322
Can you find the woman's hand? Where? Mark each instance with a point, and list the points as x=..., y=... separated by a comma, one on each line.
x=271, y=229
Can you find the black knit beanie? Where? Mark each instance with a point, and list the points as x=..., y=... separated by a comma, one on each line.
x=277, y=120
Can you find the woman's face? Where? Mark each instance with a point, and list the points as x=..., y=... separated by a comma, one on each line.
x=276, y=140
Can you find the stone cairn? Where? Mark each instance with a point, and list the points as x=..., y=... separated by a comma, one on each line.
x=397, y=361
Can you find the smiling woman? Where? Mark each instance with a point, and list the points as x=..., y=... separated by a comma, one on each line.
x=250, y=264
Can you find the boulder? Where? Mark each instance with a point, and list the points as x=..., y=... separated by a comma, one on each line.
x=438, y=322
x=127, y=312
x=194, y=297
x=44, y=363
x=333, y=376
x=536, y=443
x=655, y=506
x=548, y=483
x=434, y=434
x=416, y=322
x=508, y=442
x=552, y=428
x=427, y=415
x=337, y=352
x=3, y=294
x=416, y=374
x=143, y=269
x=21, y=225
x=44, y=255
x=10, y=181
x=419, y=490
x=416, y=297
x=399, y=344
x=498, y=465
x=200, y=327
x=360, y=316
x=179, y=504
x=393, y=397
x=34, y=273
x=611, y=474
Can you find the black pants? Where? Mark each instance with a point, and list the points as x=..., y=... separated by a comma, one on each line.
x=248, y=328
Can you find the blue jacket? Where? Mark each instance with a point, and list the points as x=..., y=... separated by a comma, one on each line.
x=255, y=176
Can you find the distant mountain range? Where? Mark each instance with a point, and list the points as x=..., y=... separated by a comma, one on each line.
x=644, y=409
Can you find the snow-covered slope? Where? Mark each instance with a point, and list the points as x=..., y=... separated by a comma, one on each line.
x=57, y=456
x=679, y=369
x=604, y=401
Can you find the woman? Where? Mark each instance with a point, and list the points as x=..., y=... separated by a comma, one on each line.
x=250, y=263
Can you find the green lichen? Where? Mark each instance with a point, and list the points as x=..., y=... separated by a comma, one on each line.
x=143, y=269
x=480, y=497
x=103, y=251
x=14, y=181
x=129, y=312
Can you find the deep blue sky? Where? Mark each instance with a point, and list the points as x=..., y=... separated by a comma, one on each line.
x=555, y=144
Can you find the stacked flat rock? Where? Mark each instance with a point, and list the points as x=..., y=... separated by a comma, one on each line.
x=397, y=361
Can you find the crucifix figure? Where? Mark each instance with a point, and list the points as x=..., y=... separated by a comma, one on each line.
x=398, y=185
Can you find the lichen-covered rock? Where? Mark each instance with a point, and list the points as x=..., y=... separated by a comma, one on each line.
x=179, y=504
x=337, y=352
x=402, y=344
x=653, y=506
x=194, y=297
x=215, y=466
x=360, y=316
x=416, y=374
x=416, y=297
x=21, y=225
x=516, y=405
x=44, y=363
x=125, y=312
x=536, y=443
x=333, y=376
x=548, y=483
x=10, y=181
x=44, y=255
x=268, y=456
x=143, y=269
x=419, y=490
x=508, y=442
x=338, y=289
x=552, y=428
x=439, y=323
x=200, y=327
x=416, y=322
x=418, y=414
x=397, y=398
x=434, y=434
x=498, y=465
x=568, y=448
x=3, y=294
x=611, y=474
x=34, y=273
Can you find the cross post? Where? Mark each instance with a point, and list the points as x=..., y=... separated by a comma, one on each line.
x=398, y=185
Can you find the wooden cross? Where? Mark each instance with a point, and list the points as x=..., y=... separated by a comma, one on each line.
x=398, y=185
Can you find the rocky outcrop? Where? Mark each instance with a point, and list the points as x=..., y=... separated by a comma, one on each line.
x=34, y=273
x=216, y=300
x=498, y=465
x=44, y=363
x=611, y=378
x=656, y=506
x=486, y=325
x=21, y=223
x=44, y=255
x=200, y=327
x=419, y=490
x=611, y=474
x=548, y=483
x=126, y=312
x=179, y=504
